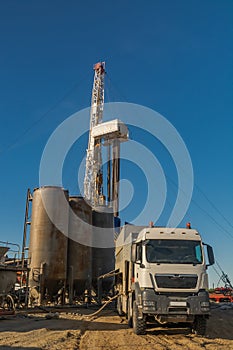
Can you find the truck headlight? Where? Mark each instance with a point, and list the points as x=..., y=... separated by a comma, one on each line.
x=205, y=305
x=149, y=305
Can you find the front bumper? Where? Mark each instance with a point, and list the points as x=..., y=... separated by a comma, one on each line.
x=174, y=304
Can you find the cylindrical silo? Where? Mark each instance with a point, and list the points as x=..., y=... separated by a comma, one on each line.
x=103, y=258
x=79, y=246
x=48, y=242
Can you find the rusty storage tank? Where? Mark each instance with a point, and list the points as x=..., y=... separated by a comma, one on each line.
x=48, y=242
x=7, y=274
x=7, y=279
x=103, y=256
x=79, y=247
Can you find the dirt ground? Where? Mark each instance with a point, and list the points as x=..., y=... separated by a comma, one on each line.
x=108, y=331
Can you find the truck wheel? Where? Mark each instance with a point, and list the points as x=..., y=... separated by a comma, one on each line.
x=129, y=317
x=199, y=325
x=139, y=325
x=119, y=306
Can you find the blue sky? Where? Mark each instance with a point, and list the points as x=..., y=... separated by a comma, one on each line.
x=172, y=56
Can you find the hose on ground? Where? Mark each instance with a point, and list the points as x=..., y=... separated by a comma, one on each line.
x=102, y=307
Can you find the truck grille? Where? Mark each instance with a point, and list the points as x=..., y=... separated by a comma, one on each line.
x=176, y=281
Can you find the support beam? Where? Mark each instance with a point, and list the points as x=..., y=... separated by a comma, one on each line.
x=109, y=174
x=115, y=175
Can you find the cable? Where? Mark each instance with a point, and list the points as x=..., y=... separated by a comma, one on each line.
x=27, y=130
x=213, y=219
x=213, y=205
x=216, y=271
x=206, y=212
x=116, y=88
x=202, y=209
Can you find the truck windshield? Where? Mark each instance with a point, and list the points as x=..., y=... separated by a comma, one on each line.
x=173, y=251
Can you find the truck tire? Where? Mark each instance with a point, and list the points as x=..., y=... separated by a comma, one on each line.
x=139, y=325
x=119, y=306
x=199, y=325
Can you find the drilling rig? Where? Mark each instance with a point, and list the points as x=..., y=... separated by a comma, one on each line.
x=103, y=134
x=93, y=182
x=109, y=134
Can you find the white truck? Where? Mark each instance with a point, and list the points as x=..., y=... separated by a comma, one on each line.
x=162, y=275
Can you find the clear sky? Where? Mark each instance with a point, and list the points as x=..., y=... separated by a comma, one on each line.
x=172, y=56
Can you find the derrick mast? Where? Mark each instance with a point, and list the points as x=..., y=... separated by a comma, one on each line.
x=109, y=134
x=93, y=182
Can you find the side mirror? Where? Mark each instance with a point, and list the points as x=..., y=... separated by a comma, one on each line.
x=210, y=254
x=134, y=253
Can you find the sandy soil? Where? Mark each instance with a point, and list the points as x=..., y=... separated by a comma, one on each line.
x=109, y=332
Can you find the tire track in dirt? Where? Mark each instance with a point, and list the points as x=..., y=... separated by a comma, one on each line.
x=109, y=332
x=41, y=339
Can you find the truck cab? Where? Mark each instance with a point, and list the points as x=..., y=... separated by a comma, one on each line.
x=163, y=274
